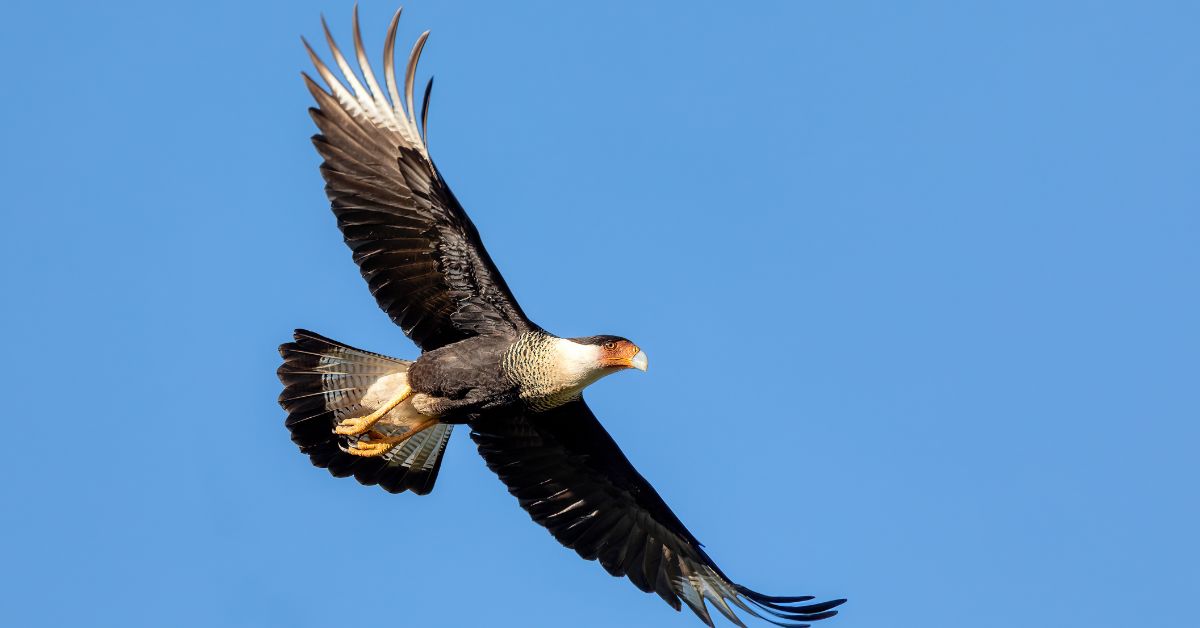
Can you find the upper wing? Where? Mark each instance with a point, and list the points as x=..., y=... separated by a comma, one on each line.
x=413, y=242
x=568, y=473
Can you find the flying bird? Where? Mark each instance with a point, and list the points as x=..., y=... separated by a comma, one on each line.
x=483, y=363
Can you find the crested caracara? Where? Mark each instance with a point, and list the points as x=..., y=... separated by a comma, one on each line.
x=483, y=363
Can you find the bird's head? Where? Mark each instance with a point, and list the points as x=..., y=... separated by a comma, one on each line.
x=615, y=352
x=581, y=361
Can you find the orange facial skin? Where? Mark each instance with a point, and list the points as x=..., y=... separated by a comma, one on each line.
x=618, y=354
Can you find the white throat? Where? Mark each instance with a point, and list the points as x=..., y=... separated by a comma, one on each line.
x=576, y=366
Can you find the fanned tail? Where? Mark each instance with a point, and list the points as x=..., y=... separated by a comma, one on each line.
x=325, y=381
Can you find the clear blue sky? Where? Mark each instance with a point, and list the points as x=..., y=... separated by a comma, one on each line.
x=918, y=282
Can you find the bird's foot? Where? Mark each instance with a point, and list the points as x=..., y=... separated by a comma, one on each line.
x=354, y=426
x=378, y=445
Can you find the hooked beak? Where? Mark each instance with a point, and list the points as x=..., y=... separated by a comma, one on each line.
x=639, y=361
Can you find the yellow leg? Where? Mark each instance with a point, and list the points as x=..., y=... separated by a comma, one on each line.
x=380, y=444
x=358, y=425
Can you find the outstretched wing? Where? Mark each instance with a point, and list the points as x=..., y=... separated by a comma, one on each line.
x=414, y=244
x=566, y=471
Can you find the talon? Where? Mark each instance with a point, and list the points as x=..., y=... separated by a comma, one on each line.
x=377, y=446
x=368, y=450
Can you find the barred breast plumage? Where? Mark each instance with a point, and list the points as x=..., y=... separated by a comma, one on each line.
x=549, y=371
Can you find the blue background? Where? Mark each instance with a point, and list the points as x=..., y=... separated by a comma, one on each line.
x=918, y=282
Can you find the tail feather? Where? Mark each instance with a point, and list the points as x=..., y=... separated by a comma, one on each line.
x=325, y=381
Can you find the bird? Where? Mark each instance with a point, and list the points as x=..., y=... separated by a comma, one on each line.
x=483, y=363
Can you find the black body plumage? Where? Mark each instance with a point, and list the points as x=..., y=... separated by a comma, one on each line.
x=466, y=378
x=483, y=363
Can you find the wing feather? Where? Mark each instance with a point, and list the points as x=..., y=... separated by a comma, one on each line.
x=382, y=107
x=389, y=63
x=410, y=75
x=415, y=245
x=360, y=94
x=569, y=475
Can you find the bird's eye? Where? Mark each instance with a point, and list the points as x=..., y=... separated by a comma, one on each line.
x=610, y=345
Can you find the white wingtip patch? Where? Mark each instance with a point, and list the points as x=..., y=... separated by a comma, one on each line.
x=369, y=101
